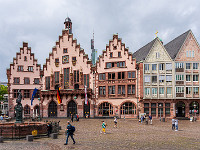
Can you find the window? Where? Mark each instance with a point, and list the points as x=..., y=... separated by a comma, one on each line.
x=168, y=78
x=25, y=58
x=47, y=80
x=188, y=90
x=154, y=67
x=188, y=78
x=168, y=66
x=102, y=90
x=131, y=74
x=64, y=50
x=196, y=77
x=121, y=89
x=20, y=68
x=128, y=108
x=73, y=58
x=102, y=76
x=195, y=65
x=161, y=66
x=88, y=85
x=26, y=94
x=26, y=110
x=169, y=90
x=119, y=54
x=154, y=91
x=111, y=89
x=15, y=93
x=179, y=89
x=147, y=79
x=161, y=79
x=56, y=62
x=30, y=68
x=16, y=80
x=167, y=108
x=36, y=81
x=66, y=78
x=111, y=55
x=154, y=79
x=86, y=80
x=153, y=108
x=161, y=90
x=188, y=66
x=76, y=76
x=157, y=55
x=196, y=90
x=187, y=55
x=111, y=76
x=121, y=64
x=179, y=65
x=180, y=77
x=146, y=67
x=56, y=77
x=146, y=108
x=108, y=65
x=121, y=75
x=131, y=89
x=26, y=80
x=147, y=91
x=192, y=53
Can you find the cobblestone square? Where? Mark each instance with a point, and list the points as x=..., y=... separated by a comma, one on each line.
x=130, y=134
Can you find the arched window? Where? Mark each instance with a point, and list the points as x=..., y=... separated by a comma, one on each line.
x=128, y=108
x=194, y=107
x=26, y=110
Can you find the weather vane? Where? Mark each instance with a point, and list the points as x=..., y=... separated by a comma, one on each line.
x=156, y=33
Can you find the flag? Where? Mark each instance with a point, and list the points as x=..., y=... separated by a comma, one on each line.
x=58, y=96
x=86, y=101
x=33, y=95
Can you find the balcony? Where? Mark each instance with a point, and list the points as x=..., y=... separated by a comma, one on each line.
x=179, y=94
x=179, y=69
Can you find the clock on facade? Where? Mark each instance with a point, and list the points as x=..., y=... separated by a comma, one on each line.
x=65, y=59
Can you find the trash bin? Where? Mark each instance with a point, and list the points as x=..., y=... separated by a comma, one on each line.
x=163, y=119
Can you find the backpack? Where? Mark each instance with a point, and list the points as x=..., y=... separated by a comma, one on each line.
x=73, y=129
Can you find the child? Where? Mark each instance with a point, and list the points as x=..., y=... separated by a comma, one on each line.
x=115, y=122
x=103, y=127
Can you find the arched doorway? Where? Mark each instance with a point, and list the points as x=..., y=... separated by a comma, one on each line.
x=26, y=110
x=128, y=108
x=36, y=111
x=86, y=110
x=180, y=109
x=52, y=110
x=194, y=108
x=71, y=108
x=105, y=109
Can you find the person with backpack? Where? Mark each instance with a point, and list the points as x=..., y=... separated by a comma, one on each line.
x=104, y=127
x=70, y=132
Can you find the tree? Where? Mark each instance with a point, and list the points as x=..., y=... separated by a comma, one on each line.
x=3, y=90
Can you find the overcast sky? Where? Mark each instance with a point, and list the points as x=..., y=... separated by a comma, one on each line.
x=40, y=22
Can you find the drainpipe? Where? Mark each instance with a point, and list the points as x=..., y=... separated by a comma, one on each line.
x=137, y=67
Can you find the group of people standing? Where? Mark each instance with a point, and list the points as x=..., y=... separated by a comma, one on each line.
x=174, y=124
x=76, y=116
x=146, y=119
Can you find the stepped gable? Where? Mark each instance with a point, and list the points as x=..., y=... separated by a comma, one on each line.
x=114, y=46
x=76, y=47
x=142, y=53
x=175, y=45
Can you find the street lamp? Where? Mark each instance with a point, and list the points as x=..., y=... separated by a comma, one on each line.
x=160, y=111
x=124, y=111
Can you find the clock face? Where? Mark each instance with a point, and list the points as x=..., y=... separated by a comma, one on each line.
x=65, y=59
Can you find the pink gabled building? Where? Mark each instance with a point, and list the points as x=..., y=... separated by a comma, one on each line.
x=24, y=74
x=116, y=85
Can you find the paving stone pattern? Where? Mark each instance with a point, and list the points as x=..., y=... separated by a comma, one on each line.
x=130, y=134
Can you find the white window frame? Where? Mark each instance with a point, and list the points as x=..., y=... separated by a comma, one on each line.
x=154, y=91
x=186, y=78
x=186, y=66
x=179, y=89
x=170, y=91
x=194, y=90
x=147, y=91
x=161, y=90
x=190, y=91
x=194, y=64
x=195, y=78
x=157, y=55
x=179, y=77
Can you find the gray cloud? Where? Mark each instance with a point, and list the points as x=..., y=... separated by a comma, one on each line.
x=40, y=23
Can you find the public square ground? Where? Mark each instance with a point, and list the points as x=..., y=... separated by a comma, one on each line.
x=130, y=134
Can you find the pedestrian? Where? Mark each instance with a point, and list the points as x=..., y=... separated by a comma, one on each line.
x=176, y=124
x=49, y=129
x=72, y=117
x=150, y=119
x=173, y=123
x=1, y=118
x=77, y=117
x=70, y=132
x=146, y=119
x=115, y=122
x=141, y=119
x=104, y=127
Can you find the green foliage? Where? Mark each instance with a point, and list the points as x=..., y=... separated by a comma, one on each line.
x=3, y=91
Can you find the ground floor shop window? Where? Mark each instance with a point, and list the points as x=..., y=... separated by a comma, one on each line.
x=194, y=107
x=26, y=110
x=153, y=108
x=128, y=108
x=146, y=108
x=105, y=109
x=160, y=109
x=167, y=108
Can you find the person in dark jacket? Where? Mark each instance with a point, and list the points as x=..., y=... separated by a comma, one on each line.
x=49, y=129
x=72, y=117
x=69, y=133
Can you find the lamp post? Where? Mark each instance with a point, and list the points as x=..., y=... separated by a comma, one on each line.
x=160, y=111
x=124, y=111
x=195, y=111
x=39, y=118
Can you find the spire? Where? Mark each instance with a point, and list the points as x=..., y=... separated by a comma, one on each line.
x=68, y=24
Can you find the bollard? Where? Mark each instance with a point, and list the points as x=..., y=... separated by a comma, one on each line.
x=1, y=139
x=29, y=138
x=54, y=135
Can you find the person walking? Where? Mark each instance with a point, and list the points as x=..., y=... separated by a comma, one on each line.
x=77, y=117
x=115, y=122
x=104, y=127
x=146, y=119
x=150, y=119
x=141, y=119
x=70, y=132
x=72, y=117
x=173, y=123
x=49, y=129
x=176, y=124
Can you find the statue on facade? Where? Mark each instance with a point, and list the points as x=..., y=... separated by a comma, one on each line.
x=19, y=108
